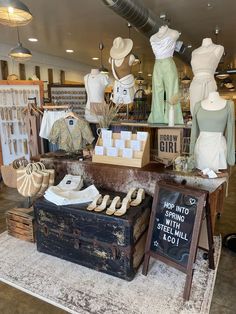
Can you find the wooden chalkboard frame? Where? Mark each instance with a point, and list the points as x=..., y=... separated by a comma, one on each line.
x=202, y=207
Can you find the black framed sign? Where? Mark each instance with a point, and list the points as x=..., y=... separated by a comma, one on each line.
x=174, y=228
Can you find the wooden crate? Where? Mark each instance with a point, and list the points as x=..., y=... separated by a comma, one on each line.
x=139, y=160
x=20, y=223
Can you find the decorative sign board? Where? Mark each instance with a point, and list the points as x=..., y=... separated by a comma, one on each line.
x=175, y=226
x=169, y=142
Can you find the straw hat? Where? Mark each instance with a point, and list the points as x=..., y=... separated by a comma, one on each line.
x=121, y=47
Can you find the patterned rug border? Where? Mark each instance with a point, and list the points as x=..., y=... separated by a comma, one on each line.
x=205, y=306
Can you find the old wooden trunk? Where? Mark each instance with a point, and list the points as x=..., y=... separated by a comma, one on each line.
x=114, y=245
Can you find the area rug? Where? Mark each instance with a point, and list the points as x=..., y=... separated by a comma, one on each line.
x=78, y=289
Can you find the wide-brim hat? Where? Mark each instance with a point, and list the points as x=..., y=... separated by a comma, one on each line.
x=121, y=47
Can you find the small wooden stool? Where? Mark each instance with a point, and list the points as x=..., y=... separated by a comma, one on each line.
x=20, y=223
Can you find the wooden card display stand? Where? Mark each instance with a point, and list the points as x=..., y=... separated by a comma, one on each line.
x=139, y=160
x=174, y=229
x=20, y=223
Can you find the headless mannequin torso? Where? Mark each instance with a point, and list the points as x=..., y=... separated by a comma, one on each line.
x=213, y=102
x=164, y=41
x=205, y=60
x=207, y=48
x=95, y=84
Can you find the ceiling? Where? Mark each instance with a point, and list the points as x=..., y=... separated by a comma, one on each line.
x=80, y=25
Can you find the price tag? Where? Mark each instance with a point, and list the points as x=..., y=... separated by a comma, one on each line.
x=125, y=135
x=112, y=151
x=99, y=150
x=142, y=136
x=135, y=145
x=127, y=153
x=120, y=144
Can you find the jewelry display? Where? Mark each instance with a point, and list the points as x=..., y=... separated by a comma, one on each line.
x=15, y=146
x=10, y=147
x=20, y=146
x=25, y=143
x=74, y=96
x=13, y=132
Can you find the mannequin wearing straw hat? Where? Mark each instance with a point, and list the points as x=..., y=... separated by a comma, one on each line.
x=121, y=61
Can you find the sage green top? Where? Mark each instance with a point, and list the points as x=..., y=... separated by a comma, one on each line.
x=71, y=140
x=222, y=120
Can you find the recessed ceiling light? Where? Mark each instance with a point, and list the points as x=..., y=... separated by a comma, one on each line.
x=32, y=39
x=95, y=58
x=69, y=50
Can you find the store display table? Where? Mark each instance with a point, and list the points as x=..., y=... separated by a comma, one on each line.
x=122, y=178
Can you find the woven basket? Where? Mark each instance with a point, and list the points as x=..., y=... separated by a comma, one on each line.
x=9, y=172
x=9, y=176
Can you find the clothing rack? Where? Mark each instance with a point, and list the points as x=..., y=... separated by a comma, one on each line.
x=56, y=107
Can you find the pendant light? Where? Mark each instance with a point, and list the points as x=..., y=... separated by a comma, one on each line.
x=14, y=13
x=20, y=53
x=221, y=74
x=136, y=58
x=185, y=80
x=102, y=69
x=228, y=83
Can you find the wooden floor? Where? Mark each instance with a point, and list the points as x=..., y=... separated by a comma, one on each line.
x=13, y=301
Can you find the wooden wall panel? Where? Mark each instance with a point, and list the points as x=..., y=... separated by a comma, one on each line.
x=22, y=71
x=62, y=77
x=37, y=72
x=4, y=69
x=50, y=76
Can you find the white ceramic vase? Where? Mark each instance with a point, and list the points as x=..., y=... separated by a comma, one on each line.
x=171, y=121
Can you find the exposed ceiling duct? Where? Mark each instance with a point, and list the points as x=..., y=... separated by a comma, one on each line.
x=141, y=18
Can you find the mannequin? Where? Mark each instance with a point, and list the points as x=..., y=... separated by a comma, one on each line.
x=212, y=134
x=121, y=61
x=95, y=84
x=213, y=102
x=165, y=76
x=205, y=60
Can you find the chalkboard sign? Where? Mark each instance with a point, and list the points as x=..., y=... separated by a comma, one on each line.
x=174, y=228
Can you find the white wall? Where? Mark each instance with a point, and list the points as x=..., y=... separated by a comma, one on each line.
x=74, y=71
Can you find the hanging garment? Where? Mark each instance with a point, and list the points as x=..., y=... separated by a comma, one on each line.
x=95, y=85
x=212, y=137
x=31, y=127
x=71, y=134
x=164, y=79
x=49, y=117
x=200, y=88
x=123, y=90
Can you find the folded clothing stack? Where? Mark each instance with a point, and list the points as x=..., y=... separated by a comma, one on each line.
x=67, y=192
x=71, y=183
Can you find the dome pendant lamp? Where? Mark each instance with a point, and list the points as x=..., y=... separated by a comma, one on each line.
x=20, y=53
x=14, y=13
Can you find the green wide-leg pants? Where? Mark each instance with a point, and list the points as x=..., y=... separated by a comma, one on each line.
x=164, y=79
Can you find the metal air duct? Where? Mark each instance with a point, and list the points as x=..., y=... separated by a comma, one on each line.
x=141, y=18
